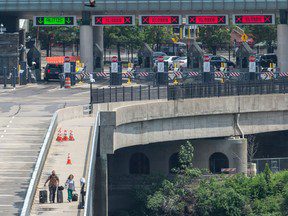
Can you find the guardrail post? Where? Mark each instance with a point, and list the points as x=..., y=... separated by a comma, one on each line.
x=103, y=94
x=123, y=93
x=13, y=83
x=110, y=94
x=91, y=95
x=140, y=93
x=149, y=93
x=97, y=96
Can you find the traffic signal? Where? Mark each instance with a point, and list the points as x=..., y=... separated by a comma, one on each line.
x=90, y=4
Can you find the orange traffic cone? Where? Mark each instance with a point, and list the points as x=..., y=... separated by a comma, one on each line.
x=59, y=136
x=65, y=137
x=69, y=162
x=71, y=136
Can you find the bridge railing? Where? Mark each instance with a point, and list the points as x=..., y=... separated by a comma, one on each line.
x=183, y=91
x=132, y=93
x=90, y=188
x=226, y=89
x=275, y=164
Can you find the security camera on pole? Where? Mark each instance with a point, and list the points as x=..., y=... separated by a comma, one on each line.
x=115, y=72
x=162, y=71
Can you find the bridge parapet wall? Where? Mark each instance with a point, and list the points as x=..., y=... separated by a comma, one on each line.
x=199, y=118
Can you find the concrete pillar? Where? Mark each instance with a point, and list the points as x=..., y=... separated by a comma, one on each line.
x=282, y=47
x=98, y=46
x=234, y=148
x=107, y=126
x=282, y=42
x=86, y=46
x=98, y=36
x=238, y=154
x=101, y=197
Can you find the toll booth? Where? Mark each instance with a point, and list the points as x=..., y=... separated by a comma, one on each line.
x=145, y=57
x=195, y=57
x=98, y=59
x=115, y=72
x=34, y=55
x=196, y=62
x=243, y=51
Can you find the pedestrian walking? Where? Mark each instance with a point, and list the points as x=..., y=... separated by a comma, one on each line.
x=83, y=192
x=53, y=184
x=70, y=184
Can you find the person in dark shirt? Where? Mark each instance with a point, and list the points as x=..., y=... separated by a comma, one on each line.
x=53, y=184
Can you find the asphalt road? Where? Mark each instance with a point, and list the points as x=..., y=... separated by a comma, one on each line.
x=25, y=115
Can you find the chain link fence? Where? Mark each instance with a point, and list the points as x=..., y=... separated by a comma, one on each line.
x=275, y=164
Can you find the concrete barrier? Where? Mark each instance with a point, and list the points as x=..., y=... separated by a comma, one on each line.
x=89, y=204
x=38, y=167
x=59, y=116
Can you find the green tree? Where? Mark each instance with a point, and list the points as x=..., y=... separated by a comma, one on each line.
x=214, y=37
x=57, y=35
x=133, y=37
x=266, y=34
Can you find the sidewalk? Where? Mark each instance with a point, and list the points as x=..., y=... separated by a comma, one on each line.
x=56, y=160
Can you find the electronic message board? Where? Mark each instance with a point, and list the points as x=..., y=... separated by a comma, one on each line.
x=160, y=20
x=207, y=19
x=254, y=19
x=113, y=20
x=54, y=21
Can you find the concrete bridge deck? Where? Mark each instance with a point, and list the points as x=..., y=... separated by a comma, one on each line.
x=25, y=114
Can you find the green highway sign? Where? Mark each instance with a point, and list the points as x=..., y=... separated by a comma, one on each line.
x=54, y=21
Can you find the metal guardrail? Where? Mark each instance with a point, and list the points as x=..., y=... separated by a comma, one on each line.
x=38, y=167
x=183, y=91
x=133, y=93
x=275, y=164
x=227, y=89
x=89, y=199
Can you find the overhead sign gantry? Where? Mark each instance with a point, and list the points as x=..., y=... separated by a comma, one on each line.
x=55, y=21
